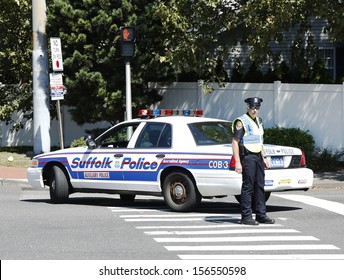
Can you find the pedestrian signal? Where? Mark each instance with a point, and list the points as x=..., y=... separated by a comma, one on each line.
x=127, y=41
x=127, y=34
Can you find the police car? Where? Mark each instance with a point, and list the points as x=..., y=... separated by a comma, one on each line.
x=176, y=154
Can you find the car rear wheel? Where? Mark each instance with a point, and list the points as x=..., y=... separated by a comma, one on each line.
x=59, y=186
x=180, y=192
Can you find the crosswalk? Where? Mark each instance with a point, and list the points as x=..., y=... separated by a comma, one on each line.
x=212, y=236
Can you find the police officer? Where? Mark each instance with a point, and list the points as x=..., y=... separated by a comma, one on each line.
x=250, y=161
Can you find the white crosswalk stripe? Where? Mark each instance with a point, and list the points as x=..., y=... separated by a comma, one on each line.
x=234, y=239
x=207, y=235
x=321, y=203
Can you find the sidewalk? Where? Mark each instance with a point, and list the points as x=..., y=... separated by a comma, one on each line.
x=321, y=180
x=12, y=173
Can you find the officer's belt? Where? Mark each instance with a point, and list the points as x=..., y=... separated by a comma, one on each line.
x=247, y=152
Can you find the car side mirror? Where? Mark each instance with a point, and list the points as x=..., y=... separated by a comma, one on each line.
x=90, y=142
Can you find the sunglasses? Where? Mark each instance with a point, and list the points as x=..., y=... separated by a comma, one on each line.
x=254, y=107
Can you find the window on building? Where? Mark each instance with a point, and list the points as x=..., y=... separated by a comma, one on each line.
x=328, y=55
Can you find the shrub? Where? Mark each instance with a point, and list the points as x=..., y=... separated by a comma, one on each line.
x=294, y=137
x=326, y=160
x=318, y=159
x=81, y=142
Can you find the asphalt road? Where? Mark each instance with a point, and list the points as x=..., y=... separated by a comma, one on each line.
x=102, y=227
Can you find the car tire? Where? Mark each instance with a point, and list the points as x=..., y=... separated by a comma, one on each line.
x=59, y=186
x=267, y=196
x=180, y=192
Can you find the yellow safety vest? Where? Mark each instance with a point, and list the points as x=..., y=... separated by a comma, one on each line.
x=253, y=137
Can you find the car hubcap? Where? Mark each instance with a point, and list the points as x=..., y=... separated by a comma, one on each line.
x=178, y=192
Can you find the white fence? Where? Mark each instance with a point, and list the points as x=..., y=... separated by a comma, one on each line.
x=317, y=108
x=24, y=137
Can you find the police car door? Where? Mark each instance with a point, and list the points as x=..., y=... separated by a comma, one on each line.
x=100, y=168
x=141, y=166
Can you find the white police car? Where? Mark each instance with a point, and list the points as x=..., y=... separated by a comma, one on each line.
x=172, y=153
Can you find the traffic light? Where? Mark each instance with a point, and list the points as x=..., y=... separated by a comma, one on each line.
x=127, y=41
x=127, y=34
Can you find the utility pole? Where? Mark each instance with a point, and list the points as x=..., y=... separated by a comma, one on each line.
x=40, y=79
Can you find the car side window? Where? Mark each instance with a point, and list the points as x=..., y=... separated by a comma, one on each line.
x=211, y=133
x=117, y=137
x=155, y=135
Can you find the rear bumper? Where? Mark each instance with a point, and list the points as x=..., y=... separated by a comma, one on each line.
x=288, y=179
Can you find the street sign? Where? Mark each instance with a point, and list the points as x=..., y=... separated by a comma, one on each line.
x=56, y=53
x=56, y=86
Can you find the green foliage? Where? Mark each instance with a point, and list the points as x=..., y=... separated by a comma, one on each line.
x=294, y=137
x=174, y=38
x=326, y=160
x=81, y=142
x=15, y=60
x=318, y=159
x=266, y=20
x=315, y=73
x=177, y=40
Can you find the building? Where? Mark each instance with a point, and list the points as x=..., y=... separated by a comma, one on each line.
x=315, y=35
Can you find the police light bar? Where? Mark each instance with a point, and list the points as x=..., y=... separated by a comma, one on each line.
x=170, y=112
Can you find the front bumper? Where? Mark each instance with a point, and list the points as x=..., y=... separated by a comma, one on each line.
x=34, y=177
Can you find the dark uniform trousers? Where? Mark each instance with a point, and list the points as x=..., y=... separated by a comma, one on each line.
x=252, y=191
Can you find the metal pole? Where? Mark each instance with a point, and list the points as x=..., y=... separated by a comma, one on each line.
x=128, y=89
x=40, y=79
x=58, y=108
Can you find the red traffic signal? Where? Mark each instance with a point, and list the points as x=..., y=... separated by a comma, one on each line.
x=127, y=34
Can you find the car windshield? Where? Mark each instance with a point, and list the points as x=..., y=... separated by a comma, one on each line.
x=211, y=133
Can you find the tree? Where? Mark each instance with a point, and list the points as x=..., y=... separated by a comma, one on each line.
x=173, y=38
x=265, y=21
x=15, y=60
x=176, y=40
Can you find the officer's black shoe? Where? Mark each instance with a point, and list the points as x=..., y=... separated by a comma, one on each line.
x=265, y=220
x=249, y=221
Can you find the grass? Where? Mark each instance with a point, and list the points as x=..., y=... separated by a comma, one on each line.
x=15, y=156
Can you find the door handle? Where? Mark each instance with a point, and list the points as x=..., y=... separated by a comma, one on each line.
x=160, y=156
x=118, y=155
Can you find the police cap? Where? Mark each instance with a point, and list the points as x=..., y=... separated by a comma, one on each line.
x=254, y=101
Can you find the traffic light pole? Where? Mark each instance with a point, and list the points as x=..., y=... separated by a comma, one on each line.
x=127, y=51
x=128, y=89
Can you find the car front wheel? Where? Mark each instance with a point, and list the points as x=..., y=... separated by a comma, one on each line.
x=59, y=186
x=180, y=192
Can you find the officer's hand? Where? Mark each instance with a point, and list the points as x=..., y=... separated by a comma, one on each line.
x=267, y=163
x=238, y=168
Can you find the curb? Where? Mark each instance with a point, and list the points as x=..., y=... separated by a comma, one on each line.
x=18, y=181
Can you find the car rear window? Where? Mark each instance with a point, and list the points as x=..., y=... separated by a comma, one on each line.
x=211, y=133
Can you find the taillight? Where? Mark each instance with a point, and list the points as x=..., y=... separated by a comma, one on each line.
x=303, y=159
x=232, y=163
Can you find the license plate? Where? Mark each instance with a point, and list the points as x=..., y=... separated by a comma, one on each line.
x=276, y=162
